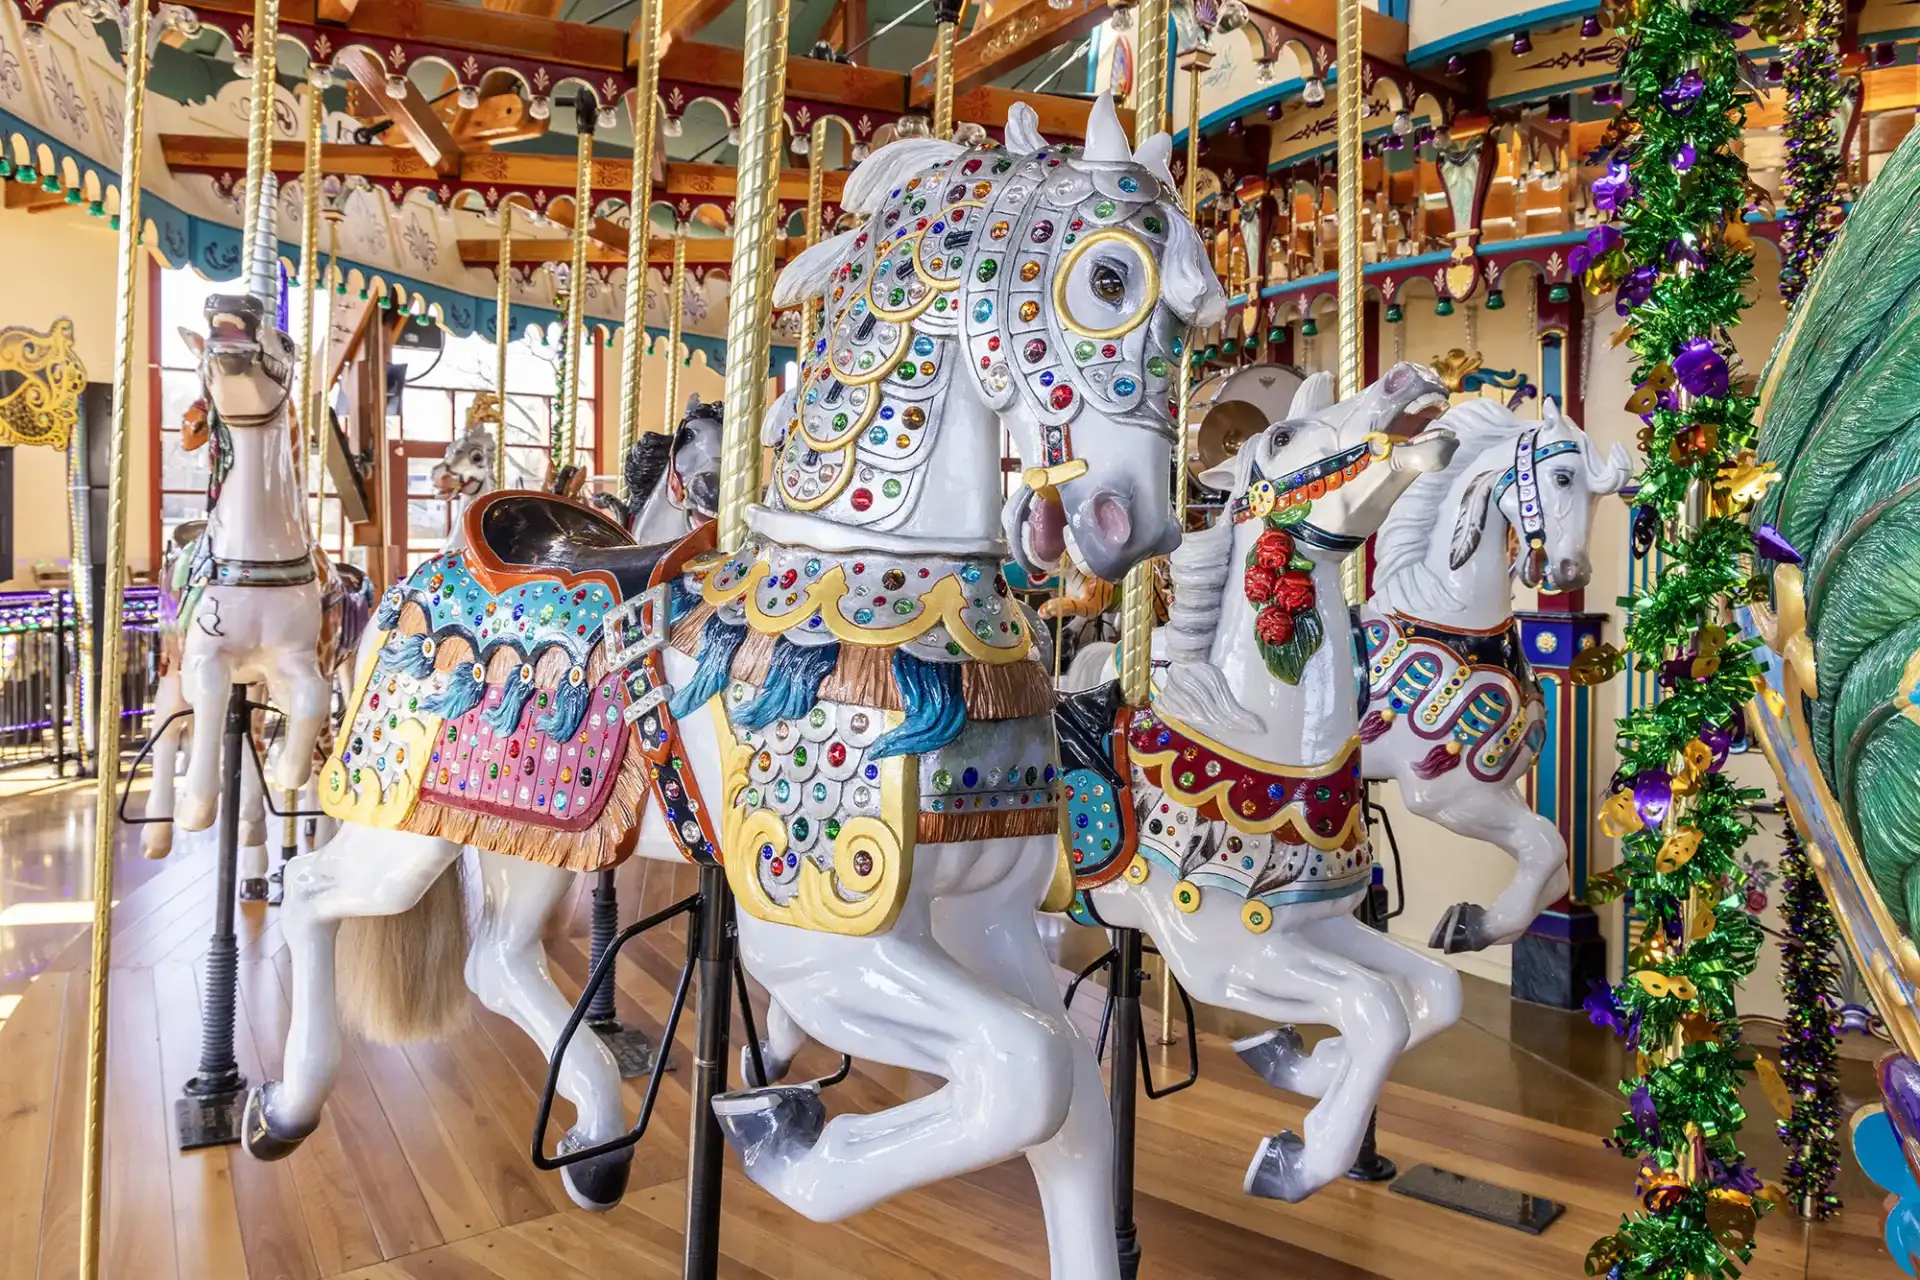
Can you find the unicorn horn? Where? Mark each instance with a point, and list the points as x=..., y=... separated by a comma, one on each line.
x=263, y=273
x=1106, y=140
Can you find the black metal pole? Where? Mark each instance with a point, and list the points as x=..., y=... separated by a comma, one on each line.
x=707, y=1158
x=632, y=1050
x=1124, y=1062
x=209, y=1114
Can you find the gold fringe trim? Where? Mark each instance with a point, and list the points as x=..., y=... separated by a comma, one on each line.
x=956, y=828
x=864, y=675
x=606, y=843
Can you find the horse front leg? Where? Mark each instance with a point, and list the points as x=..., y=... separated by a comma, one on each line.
x=206, y=678
x=297, y=688
x=156, y=839
x=1500, y=815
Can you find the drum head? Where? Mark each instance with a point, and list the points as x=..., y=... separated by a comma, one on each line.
x=1229, y=408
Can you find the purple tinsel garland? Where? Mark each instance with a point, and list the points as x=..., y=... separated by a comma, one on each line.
x=1809, y=1045
x=1813, y=163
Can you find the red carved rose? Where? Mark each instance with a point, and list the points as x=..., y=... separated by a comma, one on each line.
x=1293, y=591
x=1260, y=580
x=1274, y=549
x=1274, y=625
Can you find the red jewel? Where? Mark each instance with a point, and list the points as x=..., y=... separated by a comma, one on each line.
x=788, y=578
x=862, y=499
x=859, y=567
x=1078, y=223
x=971, y=166
x=993, y=343
x=985, y=362
x=1109, y=351
x=836, y=755
x=374, y=702
x=513, y=749
x=1062, y=396
x=878, y=600
x=923, y=573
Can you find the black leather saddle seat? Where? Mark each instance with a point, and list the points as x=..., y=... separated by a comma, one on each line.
x=530, y=532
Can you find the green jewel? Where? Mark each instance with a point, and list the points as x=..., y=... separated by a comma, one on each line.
x=1156, y=366
x=903, y=606
x=1154, y=224
x=942, y=780
x=1083, y=352
x=1104, y=209
x=832, y=828
x=891, y=488
x=800, y=757
x=987, y=270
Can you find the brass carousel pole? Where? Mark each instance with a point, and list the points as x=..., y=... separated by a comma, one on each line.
x=502, y=336
x=1194, y=62
x=1351, y=369
x=816, y=210
x=310, y=414
x=633, y=348
x=946, y=22
x=107, y=697
x=749, y=331
x=566, y=446
x=676, y=313
x=1136, y=685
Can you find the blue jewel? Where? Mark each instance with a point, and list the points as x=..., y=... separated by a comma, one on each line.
x=923, y=346
x=1123, y=386
x=872, y=772
x=1046, y=379
x=1275, y=791
x=886, y=411
x=983, y=310
x=971, y=778
x=1080, y=820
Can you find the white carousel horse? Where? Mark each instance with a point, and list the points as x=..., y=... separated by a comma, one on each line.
x=465, y=471
x=1247, y=829
x=1447, y=683
x=881, y=739
x=672, y=478
x=254, y=604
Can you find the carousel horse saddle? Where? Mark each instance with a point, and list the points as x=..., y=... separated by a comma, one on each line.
x=537, y=532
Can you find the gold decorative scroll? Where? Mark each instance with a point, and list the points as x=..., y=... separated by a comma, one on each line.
x=40, y=403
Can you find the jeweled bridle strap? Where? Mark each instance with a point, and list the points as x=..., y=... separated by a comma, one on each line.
x=1292, y=489
x=1527, y=456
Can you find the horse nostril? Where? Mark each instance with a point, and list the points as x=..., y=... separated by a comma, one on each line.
x=1110, y=517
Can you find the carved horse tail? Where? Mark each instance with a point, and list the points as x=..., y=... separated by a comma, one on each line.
x=400, y=976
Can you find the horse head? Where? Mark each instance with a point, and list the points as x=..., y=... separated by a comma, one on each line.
x=466, y=469
x=694, y=475
x=246, y=360
x=1544, y=480
x=1331, y=471
x=1063, y=279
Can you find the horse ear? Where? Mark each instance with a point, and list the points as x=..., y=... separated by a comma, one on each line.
x=1314, y=397
x=1473, y=519
x=1221, y=477
x=195, y=343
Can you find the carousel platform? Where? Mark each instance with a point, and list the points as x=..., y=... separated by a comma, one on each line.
x=421, y=1167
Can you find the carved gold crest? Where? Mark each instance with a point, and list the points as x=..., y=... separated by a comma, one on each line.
x=40, y=384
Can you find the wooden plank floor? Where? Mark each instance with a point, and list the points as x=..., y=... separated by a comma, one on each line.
x=420, y=1169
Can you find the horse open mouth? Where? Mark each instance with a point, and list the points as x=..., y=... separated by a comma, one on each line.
x=1412, y=421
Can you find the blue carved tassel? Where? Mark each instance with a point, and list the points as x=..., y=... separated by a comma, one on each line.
x=463, y=693
x=412, y=656
x=718, y=643
x=504, y=719
x=569, y=708
x=936, y=709
x=792, y=685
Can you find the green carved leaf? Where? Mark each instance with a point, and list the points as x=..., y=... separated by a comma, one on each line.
x=1287, y=661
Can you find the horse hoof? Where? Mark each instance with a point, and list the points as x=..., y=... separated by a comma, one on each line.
x=261, y=1135
x=776, y=1069
x=193, y=813
x=596, y=1184
x=276, y=888
x=1462, y=928
x=1278, y=1171
x=1276, y=1056
x=772, y=1127
x=157, y=840
x=253, y=889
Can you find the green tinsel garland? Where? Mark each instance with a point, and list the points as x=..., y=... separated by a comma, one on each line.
x=1678, y=253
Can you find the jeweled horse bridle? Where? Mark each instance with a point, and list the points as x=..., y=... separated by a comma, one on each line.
x=1527, y=457
x=1329, y=473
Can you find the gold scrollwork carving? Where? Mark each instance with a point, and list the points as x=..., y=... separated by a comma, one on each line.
x=42, y=406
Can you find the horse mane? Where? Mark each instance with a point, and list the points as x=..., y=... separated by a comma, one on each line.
x=1415, y=525
x=646, y=462
x=1200, y=572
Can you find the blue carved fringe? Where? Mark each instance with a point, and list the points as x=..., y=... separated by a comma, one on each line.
x=387, y=616
x=409, y=655
x=718, y=643
x=936, y=710
x=682, y=600
x=462, y=694
x=505, y=716
x=569, y=708
x=792, y=684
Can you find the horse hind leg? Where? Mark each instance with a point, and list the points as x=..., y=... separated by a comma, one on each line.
x=507, y=969
x=1009, y=1068
x=253, y=830
x=156, y=838
x=1429, y=988
x=783, y=1041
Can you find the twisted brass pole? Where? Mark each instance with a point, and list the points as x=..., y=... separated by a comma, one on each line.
x=319, y=403
x=310, y=285
x=946, y=22
x=633, y=346
x=676, y=315
x=585, y=114
x=750, y=310
x=816, y=210
x=502, y=336
x=1149, y=118
x=1347, y=104
x=266, y=34
x=107, y=698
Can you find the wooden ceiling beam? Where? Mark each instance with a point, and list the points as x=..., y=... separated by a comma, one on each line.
x=1060, y=118
x=455, y=25
x=808, y=79
x=417, y=121
x=705, y=251
x=681, y=19
x=1009, y=40
x=846, y=26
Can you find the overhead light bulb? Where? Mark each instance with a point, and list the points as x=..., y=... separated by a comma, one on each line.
x=539, y=107
x=1314, y=91
x=469, y=97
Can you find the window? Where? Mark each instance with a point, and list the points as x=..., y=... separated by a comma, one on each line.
x=439, y=390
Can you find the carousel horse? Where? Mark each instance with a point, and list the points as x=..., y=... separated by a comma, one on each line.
x=1447, y=684
x=253, y=608
x=672, y=478
x=465, y=471
x=1227, y=822
x=850, y=691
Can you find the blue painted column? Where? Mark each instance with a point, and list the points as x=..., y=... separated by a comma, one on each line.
x=1562, y=951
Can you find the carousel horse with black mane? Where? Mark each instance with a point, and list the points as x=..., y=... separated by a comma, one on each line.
x=1453, y=712
x=1226, y=818
x=846, y=704
x=672, y=479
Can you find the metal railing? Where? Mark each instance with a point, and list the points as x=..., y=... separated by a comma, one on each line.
x=42, y=713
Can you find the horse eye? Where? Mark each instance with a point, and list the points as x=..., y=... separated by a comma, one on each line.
x=1109, y=283
x=476, y=456
x=1563, y=479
